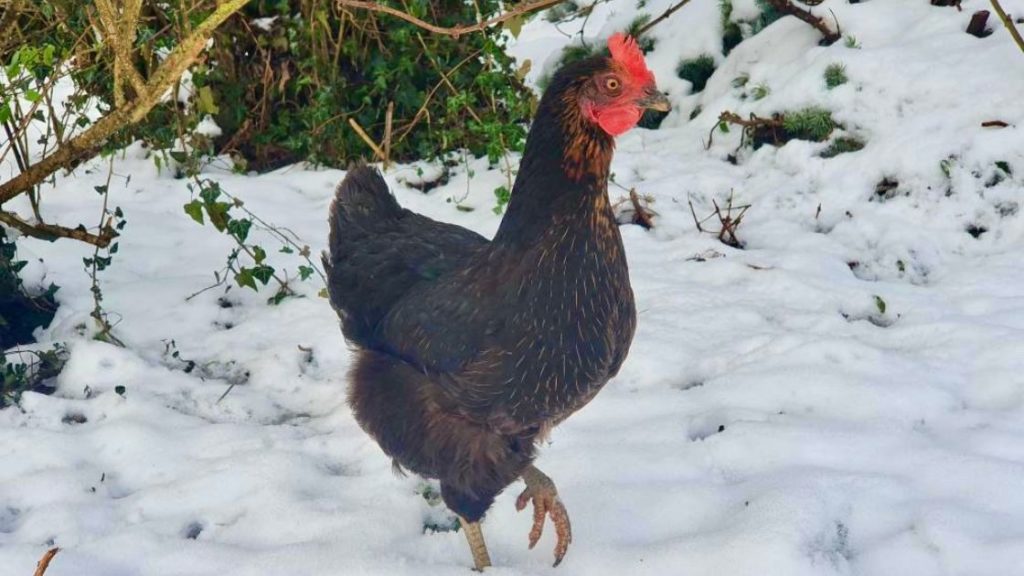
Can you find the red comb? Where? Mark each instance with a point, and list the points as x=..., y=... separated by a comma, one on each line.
x=625, y=51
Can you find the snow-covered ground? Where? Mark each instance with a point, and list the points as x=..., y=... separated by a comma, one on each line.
x=843, y=396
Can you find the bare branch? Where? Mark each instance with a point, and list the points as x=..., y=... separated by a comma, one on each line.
x=664, y=15
x=787, y=7
x=86, y=143
x=45, y=231
x=455, y=31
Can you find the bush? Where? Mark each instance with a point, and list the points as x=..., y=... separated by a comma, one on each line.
x=284, y=78
x=697, y=70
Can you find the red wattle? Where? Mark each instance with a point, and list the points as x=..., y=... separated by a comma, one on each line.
x=616, y=121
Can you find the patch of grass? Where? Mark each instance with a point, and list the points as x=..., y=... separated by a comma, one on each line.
x=740, y=81
x=835, y=75
x=697, y=70
x=810, y=123
x=842, y=145
x=851, y=42
x=760, y=91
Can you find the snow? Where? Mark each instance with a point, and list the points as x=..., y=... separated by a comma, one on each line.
x=771, y=417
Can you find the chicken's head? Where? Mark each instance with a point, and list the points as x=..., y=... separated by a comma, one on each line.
x=615, y=96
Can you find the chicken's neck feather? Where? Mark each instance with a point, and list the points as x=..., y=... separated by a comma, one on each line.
x=564, y=170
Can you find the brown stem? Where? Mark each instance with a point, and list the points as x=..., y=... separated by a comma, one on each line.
x=786, y=7
x=454, y=31
x=1009, y=24
x=44, y=562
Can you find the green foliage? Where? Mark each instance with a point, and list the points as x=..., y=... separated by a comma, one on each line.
x=697, y=70
x=842, y=145
x=501, y=195
x=29, y=370
x=645, y=41
x=732, y=34
x=760, y=91
x=20, y=312
x=850, y=41
x=768, y=15
x=835, y=75
x=289, y=90
x=810, y=123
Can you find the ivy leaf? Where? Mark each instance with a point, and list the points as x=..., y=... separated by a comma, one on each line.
x=305, y=272
x=240, y=230
x=263, y=273
x=218, y=213
x=515, y=26
x=195, y=210
x=258, y=254
x=244, y=278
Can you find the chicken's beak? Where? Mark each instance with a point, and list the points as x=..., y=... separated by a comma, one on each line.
x=655, y=100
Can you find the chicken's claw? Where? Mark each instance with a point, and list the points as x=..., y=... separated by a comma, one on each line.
x=541, y=490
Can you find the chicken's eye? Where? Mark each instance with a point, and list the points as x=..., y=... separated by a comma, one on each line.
x=612, y=84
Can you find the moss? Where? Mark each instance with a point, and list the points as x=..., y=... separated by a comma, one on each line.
x=842, y=145
x=697, y=70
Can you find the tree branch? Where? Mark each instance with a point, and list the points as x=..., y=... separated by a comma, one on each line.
x=787, y=7
x=1009, y=24
x=659, y=19
x=51, y=232
x=86, y=143
x=455, y=31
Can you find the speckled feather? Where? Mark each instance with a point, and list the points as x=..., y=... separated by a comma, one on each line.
x=470, y=350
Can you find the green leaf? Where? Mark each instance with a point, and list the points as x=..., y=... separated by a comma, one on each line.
x=244, y=278
x=258, y=254
x=305, y=272
x=195, y=210
x=120, y=390
x=240, y=230
x=263, y=273
x=515, y=25
x=206, y=103
x=880, y=304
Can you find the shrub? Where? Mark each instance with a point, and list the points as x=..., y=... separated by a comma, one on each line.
x=697, y=70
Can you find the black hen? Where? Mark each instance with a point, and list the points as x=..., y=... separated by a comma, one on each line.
x=470, y=350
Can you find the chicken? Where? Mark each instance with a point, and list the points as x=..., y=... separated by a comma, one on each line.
x=469, y=351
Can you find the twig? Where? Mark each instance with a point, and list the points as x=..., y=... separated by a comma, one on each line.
x=366, y=138
x=1009, y=24
x=664, y=15
x=454, y=31
x=387, y=133
x=786, y=7
x=44, y=562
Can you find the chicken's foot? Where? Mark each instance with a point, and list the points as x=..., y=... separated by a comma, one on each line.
x=541, y=490
x=475, y=537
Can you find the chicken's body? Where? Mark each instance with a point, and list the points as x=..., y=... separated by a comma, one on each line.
x=470, y=350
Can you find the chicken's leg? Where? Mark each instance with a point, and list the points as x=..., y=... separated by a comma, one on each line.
x=475, y=537
x=541, y=490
